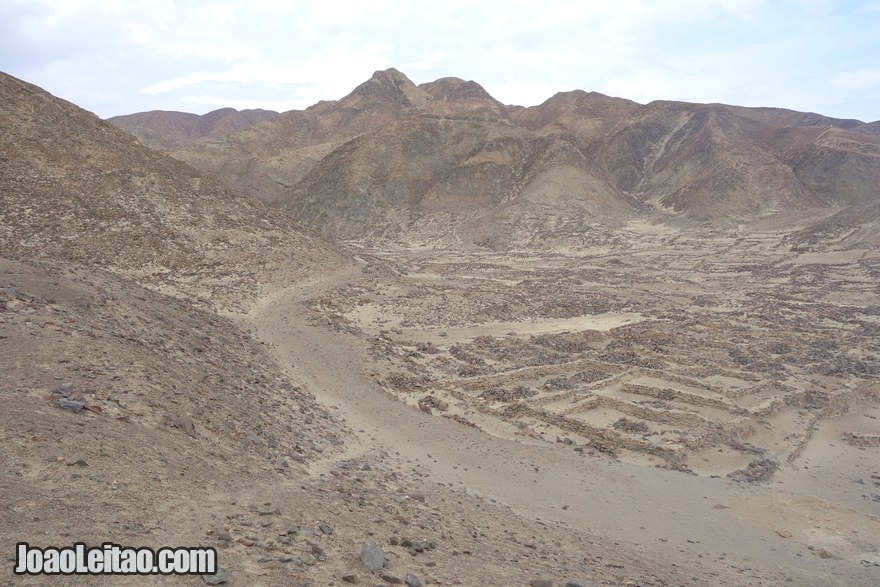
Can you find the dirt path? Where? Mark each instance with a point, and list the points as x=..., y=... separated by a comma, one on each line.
x=688, y=521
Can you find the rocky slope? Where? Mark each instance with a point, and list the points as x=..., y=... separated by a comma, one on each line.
x=445, y=163
x=161, y=129
x=856, y=226
x=76, y=188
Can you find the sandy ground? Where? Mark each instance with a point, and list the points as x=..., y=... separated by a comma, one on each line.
x=736, y=532
x=581, y=419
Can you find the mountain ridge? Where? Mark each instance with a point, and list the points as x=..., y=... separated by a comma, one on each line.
x=579, y=159
x=168, y=129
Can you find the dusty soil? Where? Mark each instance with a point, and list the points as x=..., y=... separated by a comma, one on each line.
x=673, y=411
x=718, y=397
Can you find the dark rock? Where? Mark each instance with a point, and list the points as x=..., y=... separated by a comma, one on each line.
x=758, y=470
x=541, y=583
x=71, y=404
x=325, y=528
x=412, y=581
x=222, y=535
x=217, y=578
x=350, y=577
x=65, y=389
x=372, y=556
x=391, y=579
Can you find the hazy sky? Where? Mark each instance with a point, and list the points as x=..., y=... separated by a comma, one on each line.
x=118, y=57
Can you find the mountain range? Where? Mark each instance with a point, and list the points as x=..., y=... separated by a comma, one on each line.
x=160, y=129
x=445, y=162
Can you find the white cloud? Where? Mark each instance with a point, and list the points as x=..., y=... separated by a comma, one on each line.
x=216, y=102
x=120, y=56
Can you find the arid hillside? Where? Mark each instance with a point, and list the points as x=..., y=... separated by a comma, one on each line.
x=161, y=129
x=444, y=163
x=666, y=404
x=75, y=188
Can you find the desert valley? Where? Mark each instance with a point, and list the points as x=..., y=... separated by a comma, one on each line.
x=590, y=342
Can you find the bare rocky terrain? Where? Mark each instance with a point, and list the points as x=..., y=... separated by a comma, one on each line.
x=161, y=129
x=659, y=400
x=445, y=164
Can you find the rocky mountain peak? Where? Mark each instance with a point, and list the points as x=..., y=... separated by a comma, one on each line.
x=455, y=96
x=389, y=87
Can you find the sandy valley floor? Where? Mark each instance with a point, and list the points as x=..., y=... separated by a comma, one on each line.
x=711, y=405
x=669, y=410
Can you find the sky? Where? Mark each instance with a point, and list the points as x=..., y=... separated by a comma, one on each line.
x=119, y=57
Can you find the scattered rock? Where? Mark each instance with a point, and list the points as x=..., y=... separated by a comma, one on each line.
x=579, y=583
x=246, y=542
x=185, y=424
x=217, y=578
x=71, y=404
x=325, y=528
x=758, y=470
x=634, y=426
x=541, y=583
x=372, y=556
x=65, y=389
x=222, y=535
x=391, y=579
x=412, y=581
x=429, y=401
x=783, y=533
x=350, y=577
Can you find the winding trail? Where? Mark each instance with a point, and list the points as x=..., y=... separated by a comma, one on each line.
x=684, y=520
